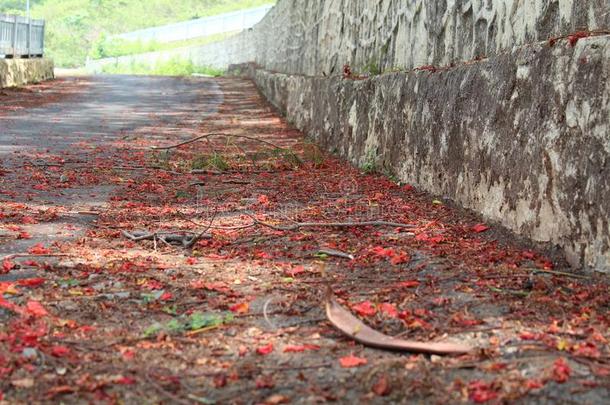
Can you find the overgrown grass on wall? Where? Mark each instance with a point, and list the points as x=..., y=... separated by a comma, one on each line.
x=169, y=68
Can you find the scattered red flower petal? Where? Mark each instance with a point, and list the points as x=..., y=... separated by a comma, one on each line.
x=125, y=381
x=241, y=308
x=481, y=392
x=382, y=386
x=265, y=350
x=478, y=228
x=352, y=361
x=408, y=284
x=365, y=308
x=302, y=348
x=60, y=351
x=38, y=249
x=35, y=308
x=7, y=266
x=31, y=282
x=389, y=310
x=561, y=370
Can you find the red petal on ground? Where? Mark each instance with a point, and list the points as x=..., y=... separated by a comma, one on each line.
x=481, y=392
x=389, y=310
x=478, y=228
x=31, y=282
x=7, y=266
x=382, y=386
x=302, y=348
x=561, y=370
x=60, y=351
x=352, y=361
x=265, y=350
x=35, y=308
x=365, y=308
x=408, y=284
x=38, y=249
x=241, y=308
x=125, y=381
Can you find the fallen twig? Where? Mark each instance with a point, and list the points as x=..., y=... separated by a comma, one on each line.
x=336, y=253
x=185, y=238
x=206, y=136
x=202, y=234
x=300, y=225
x=556, y=273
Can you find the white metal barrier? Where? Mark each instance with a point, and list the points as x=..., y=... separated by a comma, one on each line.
x=202, y=27
x=21, y=37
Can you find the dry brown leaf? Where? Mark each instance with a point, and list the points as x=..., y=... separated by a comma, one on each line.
x=354, y=328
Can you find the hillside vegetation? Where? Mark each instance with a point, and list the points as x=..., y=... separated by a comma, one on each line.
x=74, y=26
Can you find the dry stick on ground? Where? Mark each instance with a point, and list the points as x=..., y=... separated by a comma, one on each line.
x=206, y=136
x=557, y=273
x=167, y=237
x=300, y=225
x=336, y=253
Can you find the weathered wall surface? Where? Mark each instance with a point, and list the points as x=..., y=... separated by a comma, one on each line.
x=314, y=36
x=17, y=72
x=523, y=138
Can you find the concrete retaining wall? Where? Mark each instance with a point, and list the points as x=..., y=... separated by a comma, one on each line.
x=513, y=127
x=523, y=137
x=315, y=36
x=17, y=72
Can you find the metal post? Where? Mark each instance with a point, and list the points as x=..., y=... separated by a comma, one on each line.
x=29, y=42
x=14, y=41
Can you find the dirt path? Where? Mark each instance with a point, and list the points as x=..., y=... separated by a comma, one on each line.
x=239, y=316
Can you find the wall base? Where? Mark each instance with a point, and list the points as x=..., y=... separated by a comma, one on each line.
x=522, y=138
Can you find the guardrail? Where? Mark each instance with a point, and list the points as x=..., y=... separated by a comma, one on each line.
x=202, y=27
x=21, y=37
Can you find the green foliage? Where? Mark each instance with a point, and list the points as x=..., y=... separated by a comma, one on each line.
x=370, y=165
x=213, y=161
x=178, y=67
x=183, y=323
x=372, y=68
x=105, y=47
x=74, y=26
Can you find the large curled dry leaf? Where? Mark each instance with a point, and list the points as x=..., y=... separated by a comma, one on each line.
x=354, y=328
